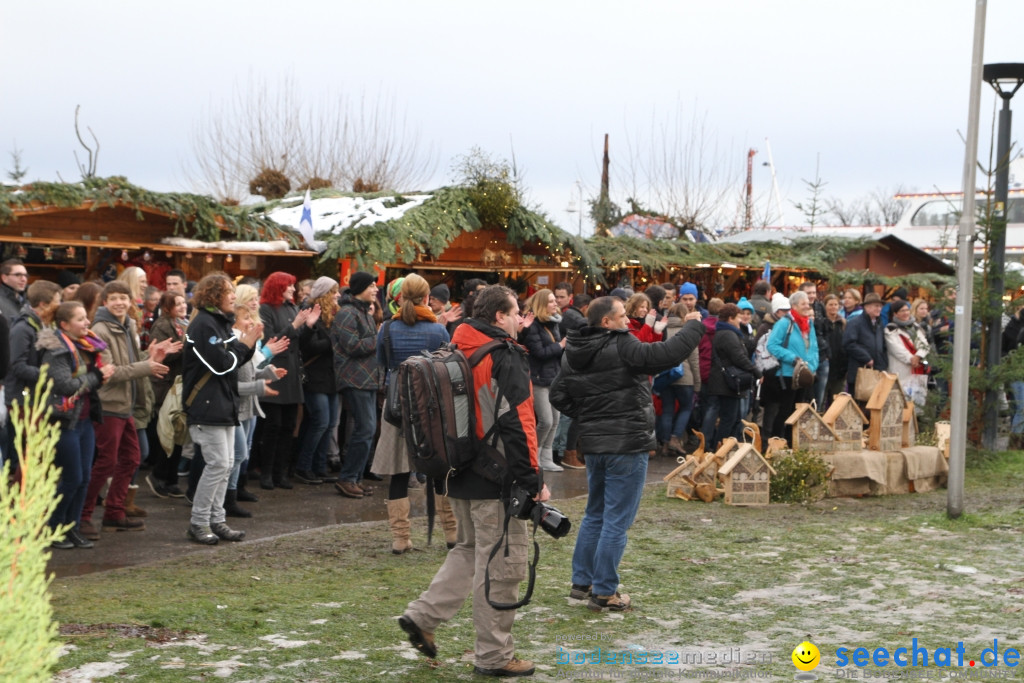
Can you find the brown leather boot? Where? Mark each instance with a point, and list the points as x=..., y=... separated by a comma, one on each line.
x=448, y=523
x=398, y=520
x=573, y=461
x=130, y=508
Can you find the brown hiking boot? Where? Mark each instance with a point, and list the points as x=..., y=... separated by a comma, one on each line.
x=88, y=530
x=610, y=603
x=348, y=489
x=578, y=592
x=123, y=524
x=515, y=667
x=422, y=640
x=573, y=461
x=130, y=508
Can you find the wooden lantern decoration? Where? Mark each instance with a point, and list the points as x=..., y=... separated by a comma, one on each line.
x=886, y=406
x=746, y=477
x=847, y=422
x=810, y=431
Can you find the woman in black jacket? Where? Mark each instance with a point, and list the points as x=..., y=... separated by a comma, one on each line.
x=282, y=319
x=320, y=409
x=834, y=326
x=209, y=382
x=728, y=353
x=543, y=339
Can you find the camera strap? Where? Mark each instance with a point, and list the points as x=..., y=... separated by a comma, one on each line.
x=532, y=567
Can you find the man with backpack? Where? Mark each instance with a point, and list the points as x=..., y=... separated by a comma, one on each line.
x=605, y=384
x=480, y=505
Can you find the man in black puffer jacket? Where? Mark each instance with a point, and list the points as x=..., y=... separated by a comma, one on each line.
x=605, y=384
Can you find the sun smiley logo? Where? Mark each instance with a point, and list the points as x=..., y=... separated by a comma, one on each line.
x=806, y=657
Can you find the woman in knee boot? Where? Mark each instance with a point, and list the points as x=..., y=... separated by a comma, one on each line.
x=411, y=330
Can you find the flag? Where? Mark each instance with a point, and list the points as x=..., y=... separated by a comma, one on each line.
x=306, y=222
x=766, y=275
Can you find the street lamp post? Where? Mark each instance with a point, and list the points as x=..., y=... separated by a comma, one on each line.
x=1006, y=79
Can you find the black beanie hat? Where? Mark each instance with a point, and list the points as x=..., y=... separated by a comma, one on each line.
x=359, y=281
x=441, y=293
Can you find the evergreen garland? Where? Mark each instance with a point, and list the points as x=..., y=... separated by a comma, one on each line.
x=196, y=216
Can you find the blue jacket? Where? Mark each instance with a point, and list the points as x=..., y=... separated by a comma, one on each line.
x=409, y=340
x=864, y=342
x=797, y=347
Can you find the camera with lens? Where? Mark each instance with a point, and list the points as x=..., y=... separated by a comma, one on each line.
x=521, y=505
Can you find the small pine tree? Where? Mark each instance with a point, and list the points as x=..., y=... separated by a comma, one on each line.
x=28, y=634
x=815, y=208
x=17, y=173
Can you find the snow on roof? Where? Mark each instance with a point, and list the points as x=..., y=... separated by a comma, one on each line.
x=334, y=214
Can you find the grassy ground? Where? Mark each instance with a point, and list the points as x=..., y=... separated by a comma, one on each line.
x=728, y=591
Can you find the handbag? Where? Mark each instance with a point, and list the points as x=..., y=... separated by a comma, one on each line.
x=864, y=386
x=737, y=379
x=803, y=378
x=392, y=412
x=666, y=378
x=763, y=359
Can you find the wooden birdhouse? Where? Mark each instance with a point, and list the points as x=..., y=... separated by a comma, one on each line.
x=746, y=477
x=810, y=431
x=909, y=433
x=847, y=422
x=705, y=479
x=725, y=451
x=680, y=483
x=885, y=408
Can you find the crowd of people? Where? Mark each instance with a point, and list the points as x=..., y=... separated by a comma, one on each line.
x=284, y=384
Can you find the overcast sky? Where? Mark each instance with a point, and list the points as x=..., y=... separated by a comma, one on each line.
x=877, y=89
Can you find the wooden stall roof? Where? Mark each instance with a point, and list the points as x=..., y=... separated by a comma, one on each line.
x=112, y=213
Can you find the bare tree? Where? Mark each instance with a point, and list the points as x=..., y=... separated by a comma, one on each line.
x=89, y=170
x=335, y=141
x=684, y=173
x=880, y=207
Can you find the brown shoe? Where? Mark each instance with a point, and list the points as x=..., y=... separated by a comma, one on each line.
x=88, y=530
x=348, y=489
x=516, y=667
x=619, y=602
x=130, y=508
x=572, y=460
x=124, y=524
x=422, y=640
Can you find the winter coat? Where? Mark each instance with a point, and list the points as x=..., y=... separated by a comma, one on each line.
x=710, y=323
x=864, y=341
x=11, y=303
x=837, y=357
x=762, y=307
x=729, y=349
x=68, y=383
x=691, y=366
x=354, y=338
x=605, y=385
x=251, y=385
x=318, y=359
x=572, y=319
x=639, y=328
x=123, y=391
x=24, y=356
x=277, y=322
x=541, y=339
x=164, y=328
x=798, y=346
x=409, y=340
x=900, y=355
x=212, y=346
x=504, y=371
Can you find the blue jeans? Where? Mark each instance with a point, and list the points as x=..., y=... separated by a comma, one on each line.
x=74, y=457
x=561, y=432
x=671, y=423
x=362, y=404
x=615, y=484
x=321, y=410
x=710, y=422
x=1017, y=424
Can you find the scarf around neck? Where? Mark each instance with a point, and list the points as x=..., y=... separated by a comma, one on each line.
x=802, y=322
x=422, y=313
